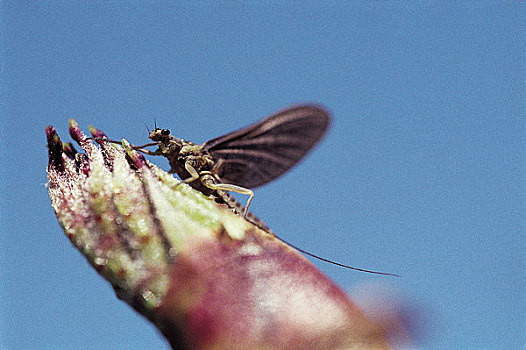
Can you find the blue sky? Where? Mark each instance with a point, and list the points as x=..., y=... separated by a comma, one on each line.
x=422, y=173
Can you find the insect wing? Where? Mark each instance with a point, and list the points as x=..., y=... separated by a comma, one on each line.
x=259, y=153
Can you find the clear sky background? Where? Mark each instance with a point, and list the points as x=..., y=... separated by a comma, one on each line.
x=421, y=174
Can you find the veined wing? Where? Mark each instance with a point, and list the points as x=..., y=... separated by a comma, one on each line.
x=259, y=153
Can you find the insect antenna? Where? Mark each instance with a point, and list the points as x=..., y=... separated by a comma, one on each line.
x=334, y=262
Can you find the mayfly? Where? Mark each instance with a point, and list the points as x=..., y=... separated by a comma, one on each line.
x=246, y=158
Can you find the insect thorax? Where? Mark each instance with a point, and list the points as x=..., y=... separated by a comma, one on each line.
x=170, y=148
x=204, y=160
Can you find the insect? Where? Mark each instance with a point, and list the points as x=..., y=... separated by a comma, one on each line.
x=246, y=158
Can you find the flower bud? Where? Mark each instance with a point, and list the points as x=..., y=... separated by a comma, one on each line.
x=206, y=277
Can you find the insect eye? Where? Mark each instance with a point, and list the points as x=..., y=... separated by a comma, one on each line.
x=165, y=132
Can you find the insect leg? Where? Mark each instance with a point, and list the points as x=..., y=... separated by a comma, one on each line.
x=194, y=174
x=212, y=184
x=139, y=148
x=157, y=152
